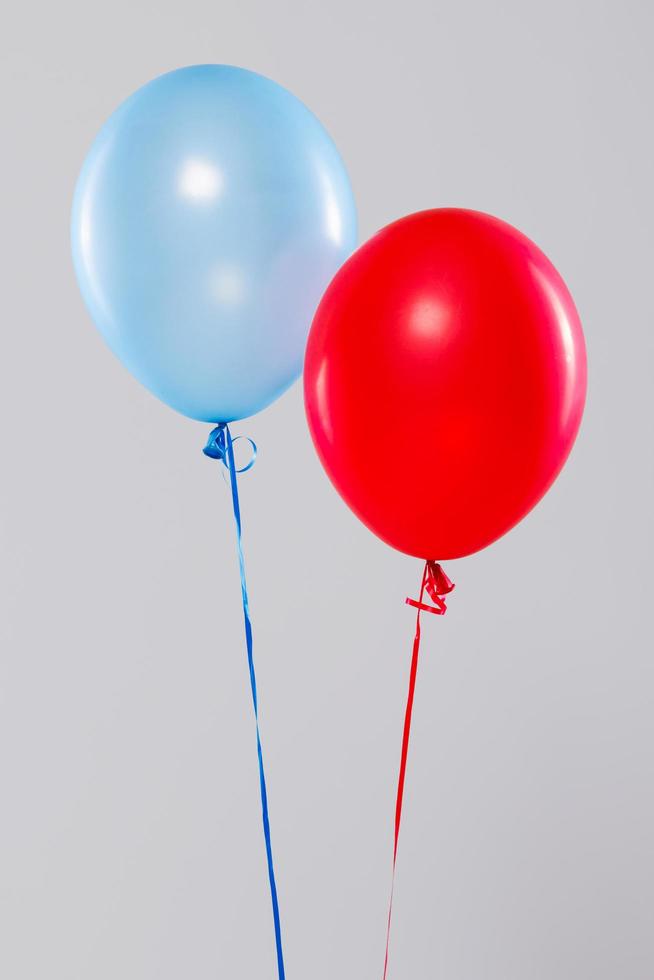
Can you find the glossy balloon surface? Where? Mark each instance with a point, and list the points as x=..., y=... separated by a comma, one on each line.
x=211, y=212
x=445, y=380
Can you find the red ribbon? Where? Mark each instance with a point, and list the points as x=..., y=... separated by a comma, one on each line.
x=436, y=584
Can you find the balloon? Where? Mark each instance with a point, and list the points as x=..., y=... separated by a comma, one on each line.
x=445, y=379
x=210, y=214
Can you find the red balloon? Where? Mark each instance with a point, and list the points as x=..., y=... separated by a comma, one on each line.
x=445, y=381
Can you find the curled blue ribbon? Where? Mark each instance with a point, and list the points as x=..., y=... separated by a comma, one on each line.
x=220, y=445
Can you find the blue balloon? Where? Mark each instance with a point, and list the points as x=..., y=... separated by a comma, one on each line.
x=209, y=216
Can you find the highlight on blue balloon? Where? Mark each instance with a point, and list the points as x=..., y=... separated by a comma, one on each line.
x=209, y=216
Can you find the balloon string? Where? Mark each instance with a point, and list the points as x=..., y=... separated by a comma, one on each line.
x=437, y=584
x=221, y=446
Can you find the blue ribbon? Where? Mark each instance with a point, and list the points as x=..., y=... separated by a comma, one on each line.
x=220, y=445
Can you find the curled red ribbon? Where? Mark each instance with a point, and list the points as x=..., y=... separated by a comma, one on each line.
x=436, y=584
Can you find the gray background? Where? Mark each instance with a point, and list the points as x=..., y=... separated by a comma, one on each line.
x=130, y=841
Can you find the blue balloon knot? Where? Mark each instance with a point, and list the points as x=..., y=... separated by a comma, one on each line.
x=220, y=446
x=216, y=447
